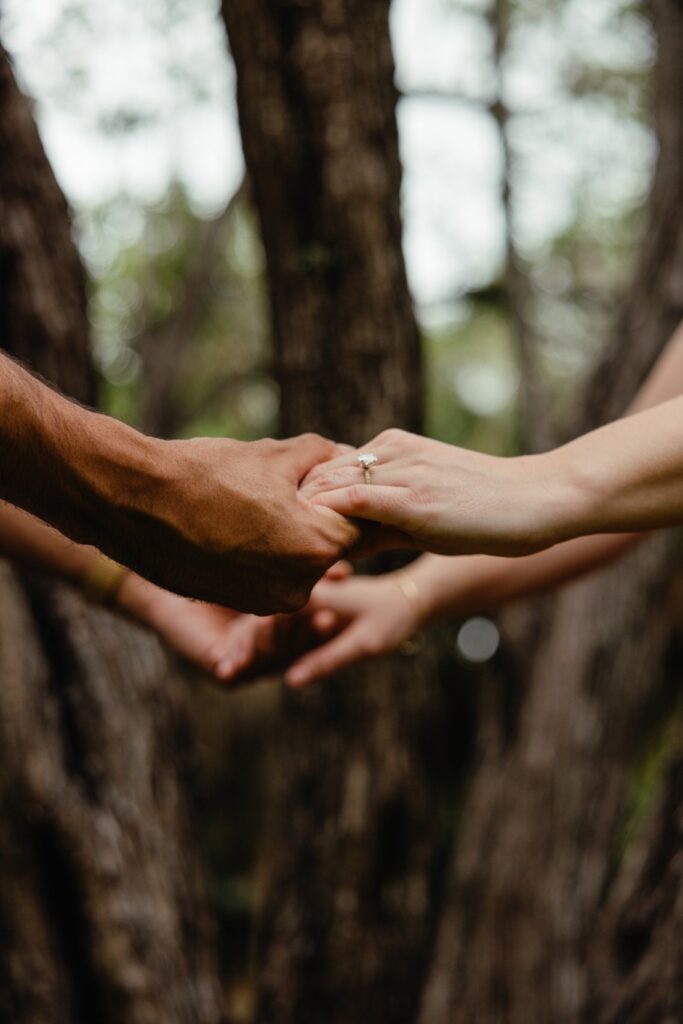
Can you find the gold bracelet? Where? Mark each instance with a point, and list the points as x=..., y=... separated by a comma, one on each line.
x=410, y=589
x=102, y=580
x=407, y=585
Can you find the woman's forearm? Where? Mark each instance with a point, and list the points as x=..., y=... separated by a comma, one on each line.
x=27, y=540
x=481, y=583
x=623, y=477
x=473, y=584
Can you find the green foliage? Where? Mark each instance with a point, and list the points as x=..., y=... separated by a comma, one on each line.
x=472, y=380
x=164, y=273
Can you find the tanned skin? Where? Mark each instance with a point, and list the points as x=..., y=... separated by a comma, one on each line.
x=209, y=518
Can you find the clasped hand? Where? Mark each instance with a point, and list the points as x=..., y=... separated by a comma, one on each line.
x=420, y=494
x=437, y=497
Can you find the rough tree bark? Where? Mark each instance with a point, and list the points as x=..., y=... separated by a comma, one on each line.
x=101, y=906
x=537, y=851
x=343, y=927
x=638, y=953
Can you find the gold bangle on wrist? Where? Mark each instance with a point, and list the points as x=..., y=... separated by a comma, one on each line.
x=407, y=584
x=102, y=580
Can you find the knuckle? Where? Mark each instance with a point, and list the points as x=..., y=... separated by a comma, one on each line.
x=392, y=435
x=321, y=555
x=418, y=496
x=266, y=446
x=312, y=440
x=356, y=498
x=322, y=480
x=298, y=598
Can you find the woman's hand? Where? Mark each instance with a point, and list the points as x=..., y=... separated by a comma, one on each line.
x=444, y=499
x=226, y=644
x=345, y=622
x=368, y=616
x=205, y=634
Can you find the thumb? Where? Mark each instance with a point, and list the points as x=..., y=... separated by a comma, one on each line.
x=337, y=597
x=306, y=451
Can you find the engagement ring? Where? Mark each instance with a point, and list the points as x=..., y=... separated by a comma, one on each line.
x=367, y=459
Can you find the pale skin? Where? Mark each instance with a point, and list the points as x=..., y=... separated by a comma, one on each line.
x=623, y=477
x=208, y=518
x=640, y=483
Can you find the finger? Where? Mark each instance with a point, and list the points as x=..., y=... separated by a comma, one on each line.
x=235, y=661
x=236, y=650
x=339, y=571
x=321, y=468
x=334, y=475
x=306, y=451
x=349, y=459
x=330, y=477
x=348, y=647
x=337, y=597
x=390, y=505
x=325, y=622
x=340, y=531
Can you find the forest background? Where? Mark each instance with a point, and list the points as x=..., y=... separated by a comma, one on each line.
x=528, y=142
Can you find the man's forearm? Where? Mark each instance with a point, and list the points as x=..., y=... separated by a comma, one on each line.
x=69, y=466
x=209, y=518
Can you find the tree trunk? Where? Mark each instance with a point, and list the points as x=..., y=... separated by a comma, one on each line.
x=536, y=855
x=102, y=915
x=344, y=923
x=638, y=953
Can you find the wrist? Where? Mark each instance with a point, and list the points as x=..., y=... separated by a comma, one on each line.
x=102, y=579
x=571, y=495
x=116, y=480
x=136, y=597
x=407, y=582
x=451, y=587
x=119, y=471
x=90, y=465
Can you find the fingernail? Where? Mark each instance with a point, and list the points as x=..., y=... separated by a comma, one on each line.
x=225, y=667
x=297, y=677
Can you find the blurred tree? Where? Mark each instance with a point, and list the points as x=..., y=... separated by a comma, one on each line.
x=179, y=316
x=343, y=926
x=102, y=912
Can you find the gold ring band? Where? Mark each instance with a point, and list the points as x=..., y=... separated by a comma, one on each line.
x=102, y=580
x=366, y=460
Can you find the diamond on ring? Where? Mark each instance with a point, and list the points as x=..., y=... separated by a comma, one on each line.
x=367, y=459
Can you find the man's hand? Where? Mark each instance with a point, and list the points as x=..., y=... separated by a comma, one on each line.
x=224, y=521
x=213, y=519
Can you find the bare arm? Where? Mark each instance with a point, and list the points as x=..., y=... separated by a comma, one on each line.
x=375, y=614
x=26, y=540
x=210, y=518
x=626, y=476
x=483, y=582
